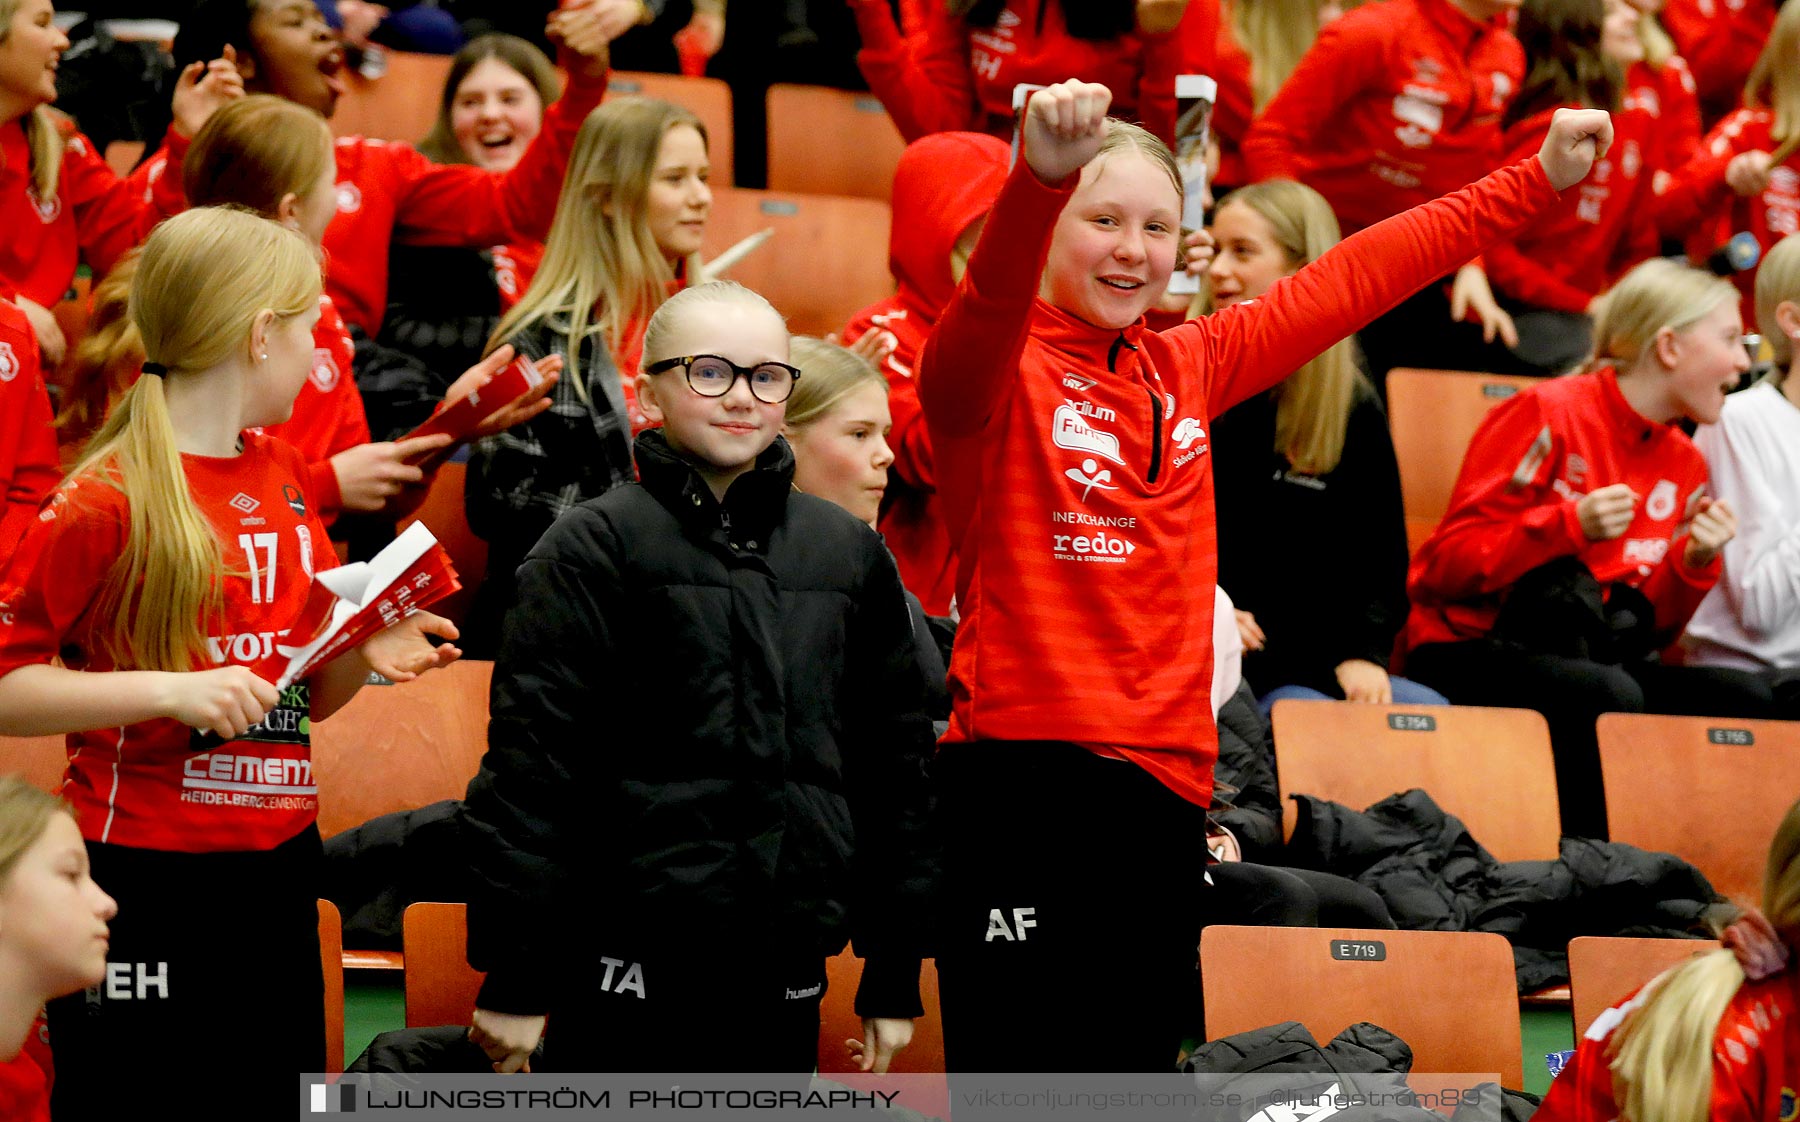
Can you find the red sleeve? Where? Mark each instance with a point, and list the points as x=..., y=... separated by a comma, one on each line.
x=1334, y=72
x=1680, y=112
x=322, y=485
x=58, y=571
x=440, y=204
x=1697, y=192
x=922, y=80
x=1674, y=589
x=971, y=358
x=1246, y=349
x=112, y=215
x=1504, y=519
x=29, y=467
x=1189, y=49
x=162, y=189
x=1720, y=46
x=1583, y=1092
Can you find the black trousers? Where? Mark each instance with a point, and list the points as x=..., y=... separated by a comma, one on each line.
x=1068, y=939
x=212, y=981
x=701, y=1010
x=1571, y=693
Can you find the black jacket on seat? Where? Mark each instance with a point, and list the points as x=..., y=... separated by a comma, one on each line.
x=707, y=733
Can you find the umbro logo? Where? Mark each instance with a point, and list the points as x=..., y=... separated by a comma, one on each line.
x=244, y=503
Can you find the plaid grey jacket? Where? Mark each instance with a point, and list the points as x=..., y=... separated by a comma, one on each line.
x=521, y=480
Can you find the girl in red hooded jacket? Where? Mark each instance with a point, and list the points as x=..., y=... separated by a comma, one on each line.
x=958, y=71
x=943, y=189
x=1071, y=451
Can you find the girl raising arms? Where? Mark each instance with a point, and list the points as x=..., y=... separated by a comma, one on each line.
x=1073, y=464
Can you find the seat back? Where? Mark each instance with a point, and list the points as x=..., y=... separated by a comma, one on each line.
x=331, y=962
x=826, y=261
x=706, y=98
x=1433, y=414
x=808, y=129
x=401, y=746
x=402, y=104
x=446, y=514
x=1604, y=971
x=39, y=760
x=1707, y=789
x=1451, y=995
x=1492, y=768
x=440, y=985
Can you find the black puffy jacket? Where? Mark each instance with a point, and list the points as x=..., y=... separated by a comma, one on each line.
x=707, y=731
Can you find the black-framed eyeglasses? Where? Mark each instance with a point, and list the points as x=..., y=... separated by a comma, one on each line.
x=712, y=376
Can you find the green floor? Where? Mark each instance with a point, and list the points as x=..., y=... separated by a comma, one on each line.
x=373, y=1004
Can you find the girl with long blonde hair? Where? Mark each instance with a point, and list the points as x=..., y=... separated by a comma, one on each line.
x=1581, y=534
x=626, y=236
x=1309, y=460
x=152, y=602
x=1704, y=1040
x=1260, y=43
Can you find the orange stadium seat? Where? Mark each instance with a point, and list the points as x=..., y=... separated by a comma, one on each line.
x=808, y=126
x=826, y=261
x=38, y=760
x=1449, y=994
x=402, y=104
x=1604, y=971
x=331, y=960
x=397, y=747
x=440, y=984
x=446, y=515
x=1433, y=414
x=1492, y=768
x=1707, y=789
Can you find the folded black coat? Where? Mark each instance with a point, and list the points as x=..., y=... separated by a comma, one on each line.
x=1434, y=876
x=372, y=872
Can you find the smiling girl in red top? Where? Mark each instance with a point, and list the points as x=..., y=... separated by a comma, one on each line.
x=387, y=191
x=162, y=576
x=1072, y=453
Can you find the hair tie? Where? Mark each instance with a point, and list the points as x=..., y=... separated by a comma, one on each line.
x=155, y=368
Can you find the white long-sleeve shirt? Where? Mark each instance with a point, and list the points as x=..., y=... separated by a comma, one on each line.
x=1751, y=618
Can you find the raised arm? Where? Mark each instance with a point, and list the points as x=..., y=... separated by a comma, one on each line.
x=922, y=81
x=971, y=359
x=1255, y=345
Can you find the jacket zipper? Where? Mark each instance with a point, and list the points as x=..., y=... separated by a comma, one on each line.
x=1156, y=410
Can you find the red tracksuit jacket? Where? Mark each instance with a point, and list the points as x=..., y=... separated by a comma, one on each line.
x=951, y=77
x=1073, y=470
x=1394, y=104
x=144, y=785
x=95, y=216
x=943, y=184
x=387, y=191
x=1755, y=1061
x=1721, y=40
x=1698, y=195
x=1513, y=508
x=1670, y=97
x=29, y=468
x=1600, y=229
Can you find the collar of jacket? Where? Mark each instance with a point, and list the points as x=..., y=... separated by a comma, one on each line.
x=1082, y=345
x=1461, y=28
x=755, y=503
x=1625, y=419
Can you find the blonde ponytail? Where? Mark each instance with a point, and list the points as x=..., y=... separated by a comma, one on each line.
x=43, y=130
x=1663, y=1052
x=202, y=278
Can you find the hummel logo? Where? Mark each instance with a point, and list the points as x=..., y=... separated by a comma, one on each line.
x=244, y=502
